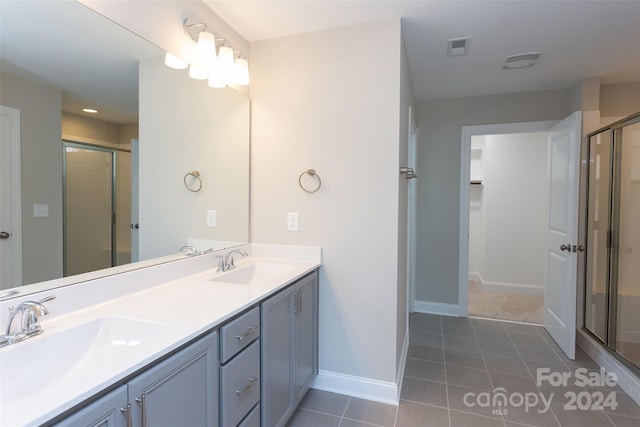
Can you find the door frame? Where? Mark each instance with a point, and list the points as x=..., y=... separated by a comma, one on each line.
x=15, y=201
x=465, y=170
x=411, y=215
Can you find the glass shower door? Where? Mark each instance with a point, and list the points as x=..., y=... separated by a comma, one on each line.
x=88, y=209
x=627, y=326
x=598, y=216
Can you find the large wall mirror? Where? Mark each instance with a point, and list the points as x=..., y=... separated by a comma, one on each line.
x=163, y=164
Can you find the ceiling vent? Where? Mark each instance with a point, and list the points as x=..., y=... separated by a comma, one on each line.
x=458, y=47
x=521, y=60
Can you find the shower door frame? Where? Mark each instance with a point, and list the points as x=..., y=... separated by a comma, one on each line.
x=114, y=164
x=611, y=317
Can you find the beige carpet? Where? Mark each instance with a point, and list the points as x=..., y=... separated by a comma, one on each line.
x=503, y=306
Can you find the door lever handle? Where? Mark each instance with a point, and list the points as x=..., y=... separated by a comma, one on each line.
x=564, y=247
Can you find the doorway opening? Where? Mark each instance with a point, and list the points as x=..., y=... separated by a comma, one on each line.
x=508, y=215
x=495, y=172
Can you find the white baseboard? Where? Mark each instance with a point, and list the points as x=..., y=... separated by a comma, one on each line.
x=361, y=387
x=505, y=287
x=476, y=277
x=438, y=308
x=627, y=380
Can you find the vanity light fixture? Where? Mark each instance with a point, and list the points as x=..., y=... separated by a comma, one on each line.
x=173, y=61
x=221, y=66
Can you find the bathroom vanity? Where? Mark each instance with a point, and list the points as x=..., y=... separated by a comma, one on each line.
x=174, y=344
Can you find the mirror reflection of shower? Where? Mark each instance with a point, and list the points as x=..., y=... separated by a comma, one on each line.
x=97, y=207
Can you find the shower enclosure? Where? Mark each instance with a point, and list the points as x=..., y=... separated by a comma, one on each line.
x=97, y=207
x=612, y=276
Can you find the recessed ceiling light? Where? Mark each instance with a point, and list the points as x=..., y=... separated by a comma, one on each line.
x=90, y=110
x=521, y=60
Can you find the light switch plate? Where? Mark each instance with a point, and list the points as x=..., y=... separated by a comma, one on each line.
x=40, y=211
x=292, y=221
x=211, y=218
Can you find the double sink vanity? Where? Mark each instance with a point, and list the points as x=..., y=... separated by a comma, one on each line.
x=179, y=343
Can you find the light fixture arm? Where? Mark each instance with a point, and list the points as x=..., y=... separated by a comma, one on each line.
x=193, y=28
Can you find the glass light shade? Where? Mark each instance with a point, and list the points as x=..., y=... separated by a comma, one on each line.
x=206, y=50
x=216, y=82
x=241, y=72
x=197, y=73
x=173, y=61
x=225, y=63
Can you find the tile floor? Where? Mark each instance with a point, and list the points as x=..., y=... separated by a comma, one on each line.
x=454, y=364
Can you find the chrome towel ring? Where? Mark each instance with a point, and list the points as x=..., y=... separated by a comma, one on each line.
x=314, y=175
x=192, y=181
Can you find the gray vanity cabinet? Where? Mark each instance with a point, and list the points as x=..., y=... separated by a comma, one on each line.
x=107, y=411
x=179, y=391
x=289, y=349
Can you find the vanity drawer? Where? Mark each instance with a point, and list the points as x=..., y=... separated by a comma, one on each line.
x=253, y=419
x=239, y=333
x=240, y=385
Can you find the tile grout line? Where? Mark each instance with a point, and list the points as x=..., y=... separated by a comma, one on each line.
x=535, y=379
x=484, y=362
x=444, y=363
x=344, y=411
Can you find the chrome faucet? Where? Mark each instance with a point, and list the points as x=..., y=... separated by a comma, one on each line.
x=29, y=312
x=191, y=251
x=225, y=262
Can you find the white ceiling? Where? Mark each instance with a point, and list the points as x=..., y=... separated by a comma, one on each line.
x=63, y=44
x=577, y=38
x=94, y=61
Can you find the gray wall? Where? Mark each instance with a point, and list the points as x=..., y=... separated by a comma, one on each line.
x=439, y=145
x=41, y=151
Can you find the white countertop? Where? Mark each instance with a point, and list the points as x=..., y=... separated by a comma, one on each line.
x=185, y=307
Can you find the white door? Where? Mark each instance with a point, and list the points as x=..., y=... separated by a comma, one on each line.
x=10, y=212
x=560, y=281
x=135, y=226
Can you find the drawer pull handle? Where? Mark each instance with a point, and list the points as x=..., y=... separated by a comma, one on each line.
x=143, y=402
x=252, y=382
x=128, y=412
x=246, y=334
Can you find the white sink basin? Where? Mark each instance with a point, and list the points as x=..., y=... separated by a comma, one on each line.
x=257, y=273
x=43, y=360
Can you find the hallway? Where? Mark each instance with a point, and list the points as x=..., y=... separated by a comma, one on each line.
x=450, y=358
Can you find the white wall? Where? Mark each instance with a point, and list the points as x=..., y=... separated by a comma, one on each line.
x=330, y=101
x=476, y=209
x=185, y=126
x=440, y=123
x=507, y=239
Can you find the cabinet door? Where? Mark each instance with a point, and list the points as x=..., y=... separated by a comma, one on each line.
x=277, y=359
x=306, y=332
x=108, y=411
x=180, y=391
